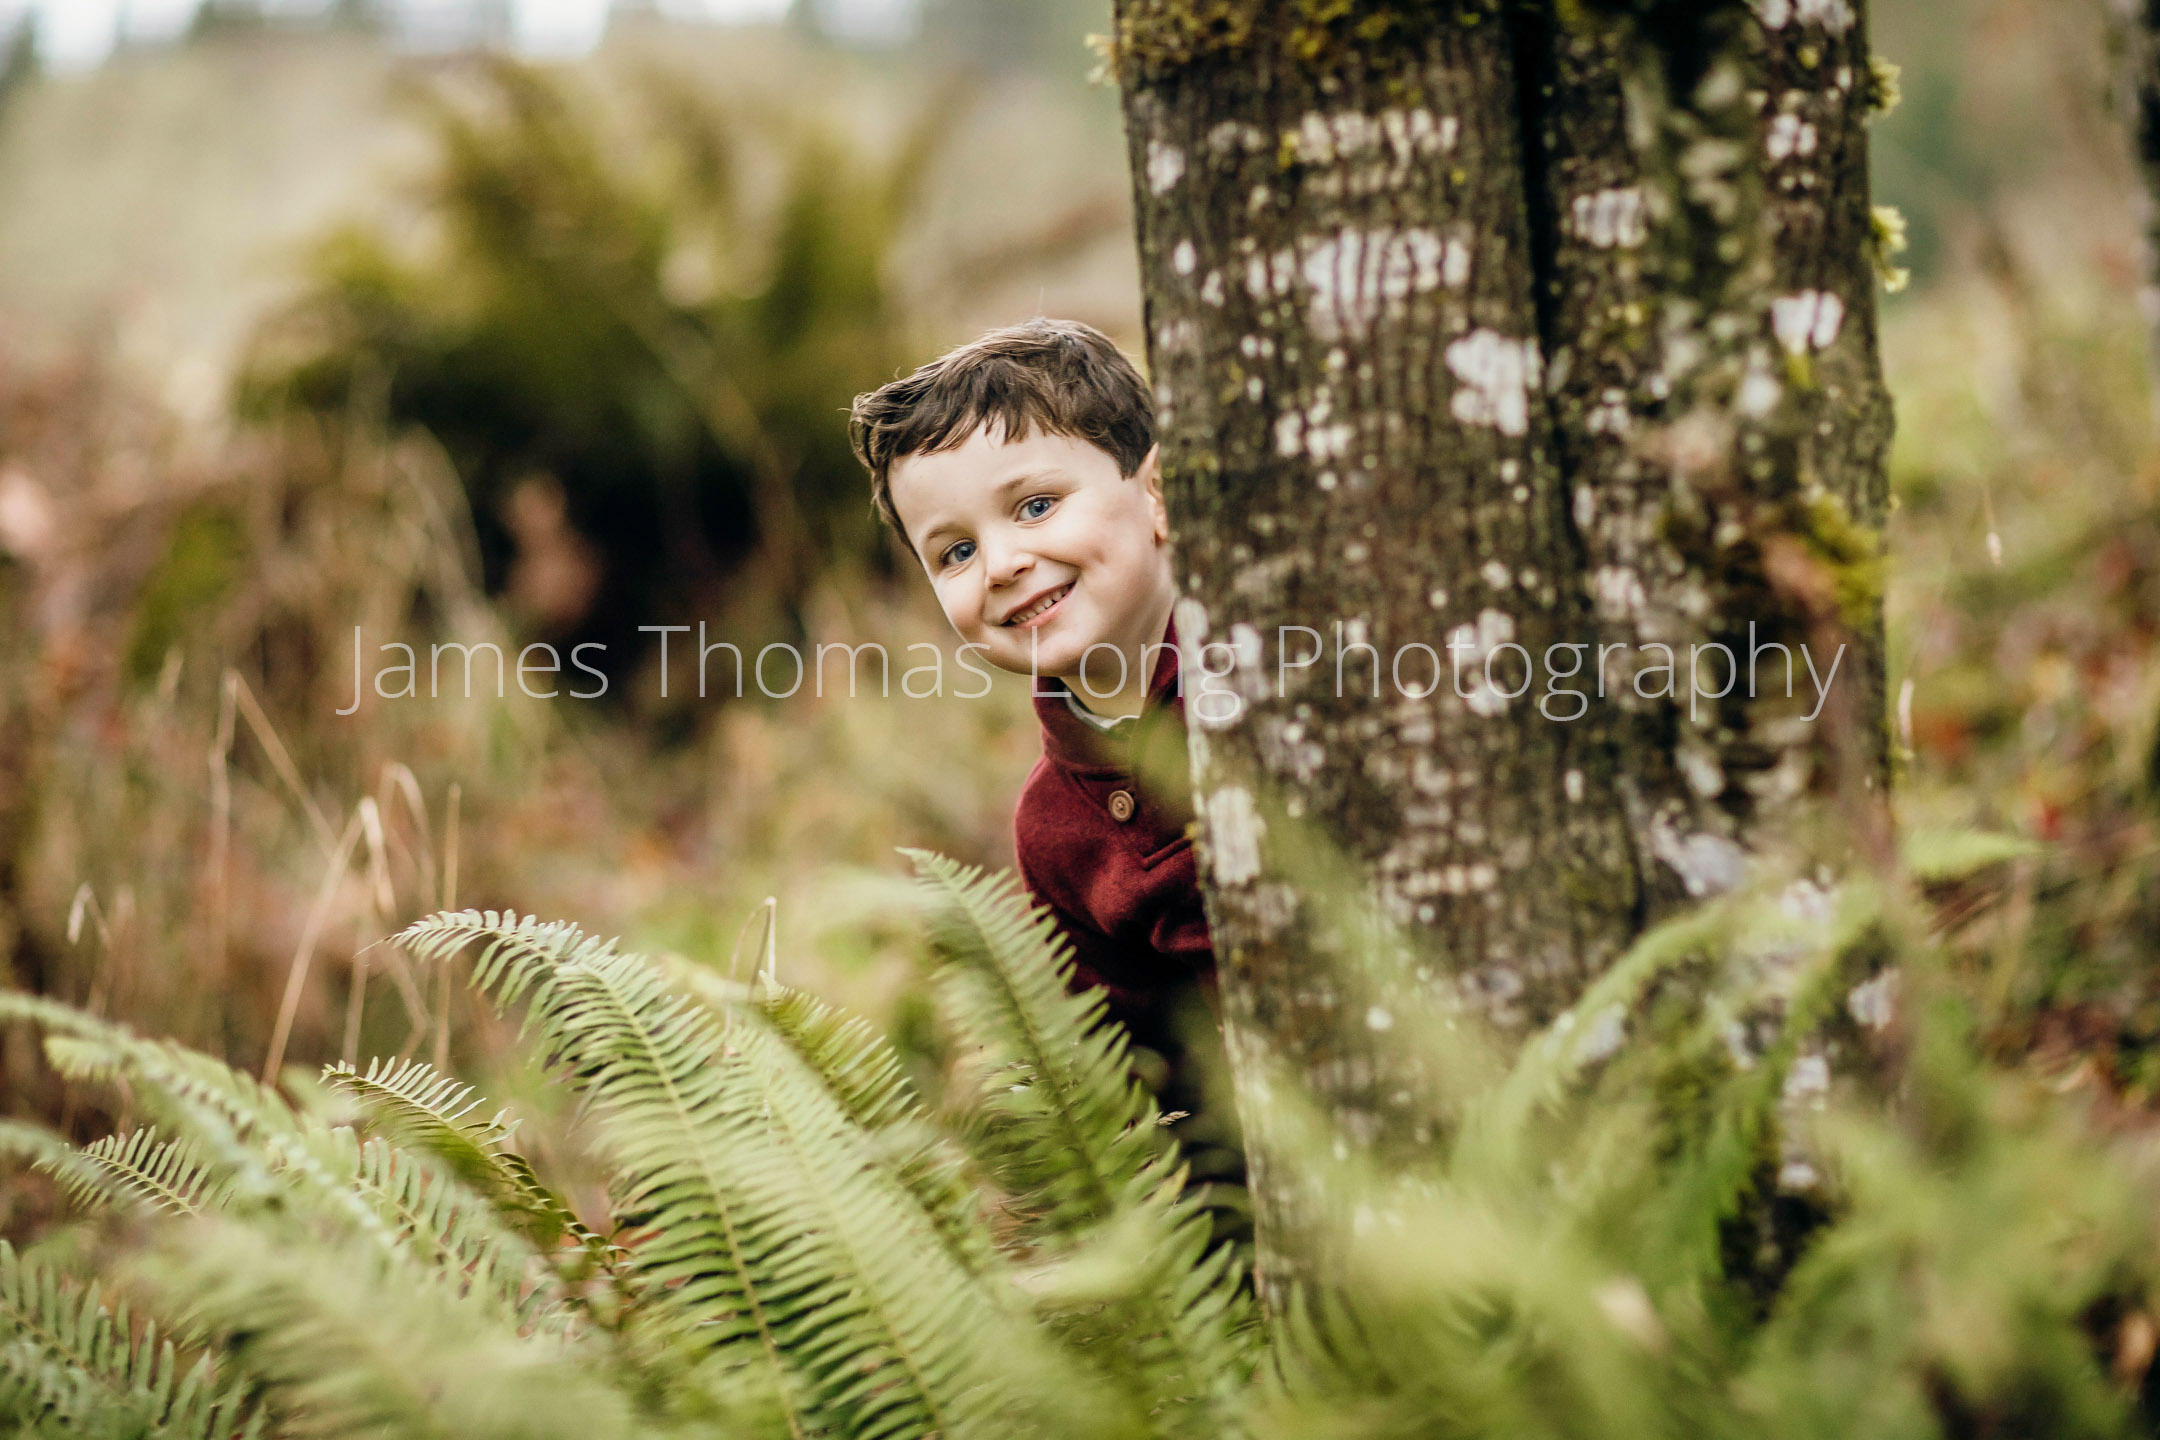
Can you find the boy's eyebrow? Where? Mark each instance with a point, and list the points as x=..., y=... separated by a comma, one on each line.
x=1030, y=477
x=1010, y=483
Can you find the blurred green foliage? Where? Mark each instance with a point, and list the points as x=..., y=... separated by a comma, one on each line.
x=663, y=317
x=201, y=561
x=1671, y=1213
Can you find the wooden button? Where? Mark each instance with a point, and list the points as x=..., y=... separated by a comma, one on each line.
x=1121, y=805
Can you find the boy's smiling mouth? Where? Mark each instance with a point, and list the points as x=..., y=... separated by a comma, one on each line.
x=1038, y=610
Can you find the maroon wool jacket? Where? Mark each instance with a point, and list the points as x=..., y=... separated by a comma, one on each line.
x=1111, y=855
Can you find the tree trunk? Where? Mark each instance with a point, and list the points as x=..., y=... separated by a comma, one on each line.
x=1478, y=334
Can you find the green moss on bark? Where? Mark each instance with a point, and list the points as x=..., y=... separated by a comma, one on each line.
x=1156, y=38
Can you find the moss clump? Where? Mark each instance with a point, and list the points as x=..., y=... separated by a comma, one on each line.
x=1158, y=37
x=1852, y=553
x=1887, y=241
x=1884, y=91
x=1155, y=37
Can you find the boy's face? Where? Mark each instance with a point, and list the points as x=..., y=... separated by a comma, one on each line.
x=1039, y=548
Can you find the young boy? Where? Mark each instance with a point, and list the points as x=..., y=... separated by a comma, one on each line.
x=1021, y=471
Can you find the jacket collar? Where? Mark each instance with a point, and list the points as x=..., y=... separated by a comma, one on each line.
x=1068, y=739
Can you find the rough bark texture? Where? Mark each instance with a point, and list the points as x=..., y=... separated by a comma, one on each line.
x=1719, y=408
x=1475, y=328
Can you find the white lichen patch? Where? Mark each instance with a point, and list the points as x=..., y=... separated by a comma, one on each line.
x=1191, y=619
x=1610, y=218
x=1808, y=1081
x=1269, y=276
x=1759, y=390
x=1610, y=416
x=1468, y=648
x=1797, y=1175
x=1706, y=864
x=1165, y=166
x=1184, y=258
x=1455, y=265
x=1808, y=903
x=1807, y=321
x=1353, y=275
x=1835, y=16
x=1602, y=1037
x=1618, y=591
x=1309, y=432
x=1790, y=136
x=1873, y=1003
x=1404, y=135
x=1231, y=136
x=1497, y=376
x=1704, y=775
x=1177, y=335
x=1211, y=289
x=1234, y=831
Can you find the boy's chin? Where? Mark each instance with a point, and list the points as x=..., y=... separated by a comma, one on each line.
x=1059, y=660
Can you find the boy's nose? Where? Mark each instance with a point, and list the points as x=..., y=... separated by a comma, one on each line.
x=1006, y=563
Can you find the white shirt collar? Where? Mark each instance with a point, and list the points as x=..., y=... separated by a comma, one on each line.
x=1106, y=725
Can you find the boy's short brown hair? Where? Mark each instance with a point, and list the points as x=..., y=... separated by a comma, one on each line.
x=1057, y=376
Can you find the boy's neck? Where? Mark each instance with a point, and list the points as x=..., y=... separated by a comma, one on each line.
x=1125, y=703
x=1140, y=666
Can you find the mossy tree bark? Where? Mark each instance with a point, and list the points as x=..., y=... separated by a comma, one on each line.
x=1480, y=333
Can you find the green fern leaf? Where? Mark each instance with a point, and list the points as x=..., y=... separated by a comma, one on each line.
x=760, y=1209
x=437, y=1115
x=681, y=1120
x=341, y=1341
x=1125, y=1269
x=166, y=1174
x=1068, y=1127
x=70, y=1363
x=863, y=1075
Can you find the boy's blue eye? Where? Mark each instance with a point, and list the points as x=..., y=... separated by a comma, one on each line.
x=1036, y=508
x=958, y=553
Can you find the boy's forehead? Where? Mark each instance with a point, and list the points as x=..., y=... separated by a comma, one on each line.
x=979, y=466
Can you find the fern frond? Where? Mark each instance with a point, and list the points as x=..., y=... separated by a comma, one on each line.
x=262, y=1150
x=1126, y=1271
x=426, y=1109
x=1493, y=1143
x=680, y=1116
x=762, y=1211
x=68, y=1362
x=166, y=1174
x=79, y=1177
x=230, y=1117
x=920, y=1346
x=341, y=1342
x=453, y=1234
x=863, y=1075
x=1068, y=1127
x=438, y=1116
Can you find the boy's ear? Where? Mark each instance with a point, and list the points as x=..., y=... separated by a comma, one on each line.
x=1151, y=476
